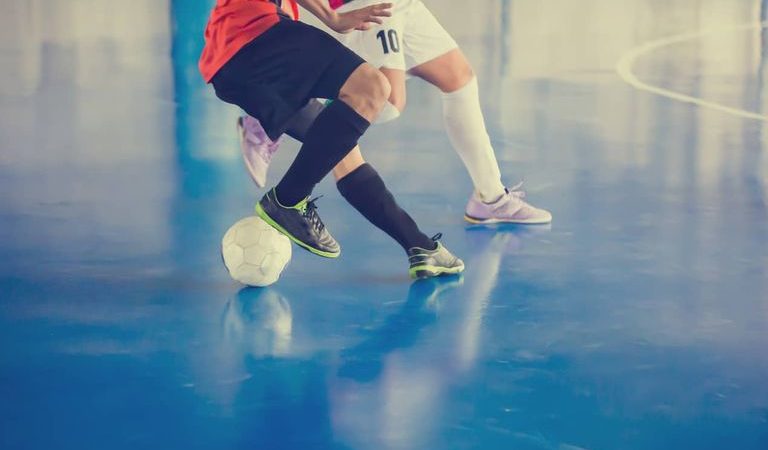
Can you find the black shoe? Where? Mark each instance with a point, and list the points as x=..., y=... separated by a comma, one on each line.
x=300, y=223
x=432, y=263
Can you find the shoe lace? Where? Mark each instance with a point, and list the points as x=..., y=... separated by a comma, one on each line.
x=420, y=256
x=515, y=199
x=309, y=211
x=517, y=191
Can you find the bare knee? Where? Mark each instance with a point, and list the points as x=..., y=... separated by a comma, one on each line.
x=457, y=78
x=396, y=79
x=374, y=86
x=449, y=72
x=366, y=91
x=380, y=88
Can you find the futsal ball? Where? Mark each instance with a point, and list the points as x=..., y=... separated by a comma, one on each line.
x=254, y=253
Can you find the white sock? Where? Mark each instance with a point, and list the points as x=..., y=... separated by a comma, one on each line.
x=388, y=114
x=465, y=126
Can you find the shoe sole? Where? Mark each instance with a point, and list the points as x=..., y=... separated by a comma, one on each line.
x=265, y=217
x=241, y=132
x=427, y=271
x=478, y=221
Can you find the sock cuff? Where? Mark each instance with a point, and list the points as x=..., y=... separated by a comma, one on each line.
x=361, y=174
x=471, y=89
x=349, y=115
x=303, y=120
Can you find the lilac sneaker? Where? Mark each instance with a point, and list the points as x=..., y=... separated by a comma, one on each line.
x=257, y=148
x=510, y=208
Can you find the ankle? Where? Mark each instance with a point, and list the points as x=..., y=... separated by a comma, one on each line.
x=286, y=201
x=420, y=242
x=492, y=198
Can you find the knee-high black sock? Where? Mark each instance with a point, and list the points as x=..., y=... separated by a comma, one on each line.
x=365, y=191
x=334, y=133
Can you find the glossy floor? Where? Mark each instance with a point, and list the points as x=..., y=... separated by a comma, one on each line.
x=638, y=320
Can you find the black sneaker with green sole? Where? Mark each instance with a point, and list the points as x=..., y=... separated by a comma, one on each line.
x=433, y=263
x=300, y=223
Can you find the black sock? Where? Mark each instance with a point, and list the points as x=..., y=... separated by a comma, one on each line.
x=331, y=137
x=365, y=191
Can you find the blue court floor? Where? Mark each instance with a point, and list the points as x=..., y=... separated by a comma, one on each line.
x=637, y=320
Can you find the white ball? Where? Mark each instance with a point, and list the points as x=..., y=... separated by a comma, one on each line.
x=254, y=253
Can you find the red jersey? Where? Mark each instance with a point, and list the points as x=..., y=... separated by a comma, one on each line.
x=234, y=23
x=336, y=4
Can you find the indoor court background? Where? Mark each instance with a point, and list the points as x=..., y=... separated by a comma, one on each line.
x=637, y=320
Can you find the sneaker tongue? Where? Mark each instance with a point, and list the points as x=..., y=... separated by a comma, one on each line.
x=301, y=206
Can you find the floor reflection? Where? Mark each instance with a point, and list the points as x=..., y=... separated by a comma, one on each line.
x=637, y=320
x=259, y=322
x=393, y=386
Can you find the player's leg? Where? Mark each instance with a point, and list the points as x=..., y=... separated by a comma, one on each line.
x=463, y=119
x=258, y=149
x=360, y=184
x=433, y=55
x=309, y=64
x=363, y=188
x=397, y=96
x=381, y=47
x=336, y=131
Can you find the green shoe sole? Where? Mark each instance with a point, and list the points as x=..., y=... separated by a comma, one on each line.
x=265, y=217
x=426, y=271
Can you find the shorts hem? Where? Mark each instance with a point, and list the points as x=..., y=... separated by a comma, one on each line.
x=431, y=56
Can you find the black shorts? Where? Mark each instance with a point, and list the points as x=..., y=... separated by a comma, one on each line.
x=276, y=74
x=303, y=120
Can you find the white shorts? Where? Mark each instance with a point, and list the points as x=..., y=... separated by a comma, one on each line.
x=411, y=37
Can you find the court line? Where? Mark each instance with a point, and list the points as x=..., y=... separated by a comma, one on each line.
x=626, y=63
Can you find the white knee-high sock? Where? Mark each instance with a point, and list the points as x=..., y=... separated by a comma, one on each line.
x=465, y=126
x=388, y=114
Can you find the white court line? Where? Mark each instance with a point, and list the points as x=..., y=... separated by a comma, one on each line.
x=626, y=63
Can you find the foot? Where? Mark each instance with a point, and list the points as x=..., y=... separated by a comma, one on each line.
x=257, y=148
x=510, y=208
x=432, y=263
x=300, y=223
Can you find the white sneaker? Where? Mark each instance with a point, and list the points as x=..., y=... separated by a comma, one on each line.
x=510, y=208
x=257, y=148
